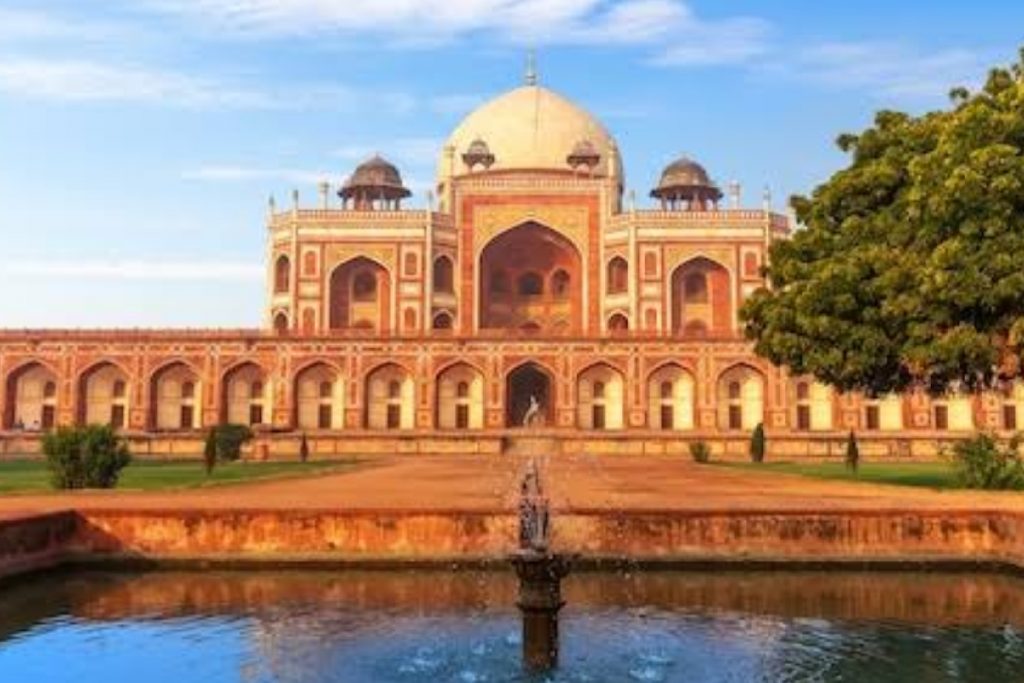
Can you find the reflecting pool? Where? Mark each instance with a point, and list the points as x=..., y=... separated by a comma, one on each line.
x=462, y=626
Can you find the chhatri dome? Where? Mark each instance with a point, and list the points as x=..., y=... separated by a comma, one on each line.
x=527, y=129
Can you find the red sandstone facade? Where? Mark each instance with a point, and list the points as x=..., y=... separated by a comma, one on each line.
x=526, y=276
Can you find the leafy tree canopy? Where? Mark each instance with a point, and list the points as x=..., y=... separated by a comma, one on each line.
x=910, y=270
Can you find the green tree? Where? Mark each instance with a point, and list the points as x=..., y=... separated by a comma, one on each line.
x=85, y=457
x=757, y=443
x=852, y=453
x=910, y=268
x=210, y=452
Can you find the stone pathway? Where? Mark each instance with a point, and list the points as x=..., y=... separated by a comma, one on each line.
x=482, y=483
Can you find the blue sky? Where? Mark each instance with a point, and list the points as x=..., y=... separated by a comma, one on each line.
x=139, y=139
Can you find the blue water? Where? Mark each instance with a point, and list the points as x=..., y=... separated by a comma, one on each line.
x=412, y=627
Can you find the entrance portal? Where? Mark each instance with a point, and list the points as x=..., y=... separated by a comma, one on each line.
x=527, y=381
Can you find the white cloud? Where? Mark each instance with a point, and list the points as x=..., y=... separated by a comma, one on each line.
x=733, y=41
x=137, y=270
x=885, y=68
x=82, y=81
x=427, y=23
x=26, y=25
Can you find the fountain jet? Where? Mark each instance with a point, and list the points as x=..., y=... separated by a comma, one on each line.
x=540, y=575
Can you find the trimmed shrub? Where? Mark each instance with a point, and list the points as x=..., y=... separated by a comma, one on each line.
x=980, y=463
x=852, y=453
x=303, y=449
x=757, y=444
x=85, y=457
x=700, y=452
x=228, y=440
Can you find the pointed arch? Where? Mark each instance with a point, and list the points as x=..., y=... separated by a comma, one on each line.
x=617, y=276
x=360, y=295
x=32, y=397
x=104, y=395
x=671, y=398
x=531, y=275
x=600, y=396
x=444, y=275
x=740, y=394
x=528, y=379
x=282, y=274
x=390, y=398
x=246, y=394
x=460, y=397
x=318, y=396
x=175, y=397
x=701, y=298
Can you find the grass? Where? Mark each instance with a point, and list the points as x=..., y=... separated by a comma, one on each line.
x=935, y=475
x=32, y=476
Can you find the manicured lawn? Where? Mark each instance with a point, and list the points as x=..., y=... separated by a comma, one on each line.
x=32, y=476
x=938, y=475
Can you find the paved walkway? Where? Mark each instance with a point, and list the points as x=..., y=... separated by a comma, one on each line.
x=474, y=482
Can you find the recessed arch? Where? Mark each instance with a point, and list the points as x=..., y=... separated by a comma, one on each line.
x=671, y=404
x=175, y=397
x=701, y=298
x=282, y=274
x=740, y=394
x=246, y=394
x=318, y=395
x=390, y=397
x=281, y=323
x=444, y=275
x=32, y=397
x=617, y=279
x=460, y=397
x=618, y=325
x=517, y=282
x=523, y=381
x=600, y=397
x=443, y=321
x=360, y=295
x=104, y=395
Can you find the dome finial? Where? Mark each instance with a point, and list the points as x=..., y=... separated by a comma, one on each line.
x=531, y=67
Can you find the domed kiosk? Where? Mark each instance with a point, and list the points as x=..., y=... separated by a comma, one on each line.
x=375, y=184
x=685, y=185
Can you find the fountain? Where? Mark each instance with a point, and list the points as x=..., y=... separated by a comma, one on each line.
x=540, y=575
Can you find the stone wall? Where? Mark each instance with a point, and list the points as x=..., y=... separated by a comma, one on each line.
x=32, y=542
x=443, y=537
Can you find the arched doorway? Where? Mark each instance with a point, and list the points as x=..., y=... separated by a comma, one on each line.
x=531, y=280
x=526, y=381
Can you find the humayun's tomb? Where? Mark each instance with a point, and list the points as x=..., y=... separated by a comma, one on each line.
x=528, y=278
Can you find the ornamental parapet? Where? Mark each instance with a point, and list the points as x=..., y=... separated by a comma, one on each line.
x=721, y=220
x=353, y=218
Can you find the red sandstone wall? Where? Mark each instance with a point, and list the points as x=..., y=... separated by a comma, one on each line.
x=29, y=543
x=444, y=536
